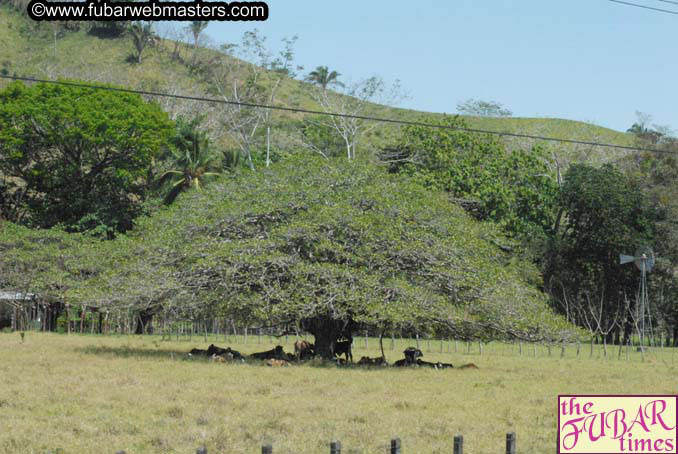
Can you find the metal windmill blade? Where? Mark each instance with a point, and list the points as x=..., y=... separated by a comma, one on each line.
x=644, y=255
x=623, y=259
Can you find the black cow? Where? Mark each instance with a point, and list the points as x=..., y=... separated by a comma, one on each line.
x=412, y=355
x=198, y=352
x=276, y=353
x=214, y=350
x=437, y=365
x=343, y=347
x=367, y=361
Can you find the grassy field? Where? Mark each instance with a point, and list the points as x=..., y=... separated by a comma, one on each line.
x=85, y=394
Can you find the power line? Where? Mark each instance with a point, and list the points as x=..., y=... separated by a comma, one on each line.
x=341, y=115
x=647, y=7
x=668, y=1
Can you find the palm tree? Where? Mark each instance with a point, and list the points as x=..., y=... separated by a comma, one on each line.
x=191, y=160
x=196, y=28
x=142, y=35
x=323, y=77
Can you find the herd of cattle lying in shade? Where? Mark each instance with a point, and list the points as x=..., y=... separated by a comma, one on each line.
x=304, y=350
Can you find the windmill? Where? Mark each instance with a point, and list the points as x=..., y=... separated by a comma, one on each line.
x=644, y=261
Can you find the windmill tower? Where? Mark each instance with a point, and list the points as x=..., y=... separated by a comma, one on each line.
x=644, y=261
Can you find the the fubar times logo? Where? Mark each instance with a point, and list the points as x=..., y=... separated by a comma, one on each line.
x=615, y=424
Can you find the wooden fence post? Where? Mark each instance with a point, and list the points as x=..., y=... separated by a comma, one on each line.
x=458, y=444
x=335, y=447
x=395, y=446
x=511, y=443
x=268, y=449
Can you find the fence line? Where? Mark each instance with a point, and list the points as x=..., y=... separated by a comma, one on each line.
x=215, y=330
x=83, y=319
x=396, y=446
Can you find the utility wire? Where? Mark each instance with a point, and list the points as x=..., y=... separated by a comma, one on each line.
x=668, y=1
x=647, y=7
x=341, y=115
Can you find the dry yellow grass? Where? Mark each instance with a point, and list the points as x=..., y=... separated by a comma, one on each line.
x=83, y=394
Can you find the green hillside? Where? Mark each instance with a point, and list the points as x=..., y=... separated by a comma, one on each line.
x=29, y=49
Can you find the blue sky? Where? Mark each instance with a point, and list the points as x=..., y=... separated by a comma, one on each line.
x=590, y=60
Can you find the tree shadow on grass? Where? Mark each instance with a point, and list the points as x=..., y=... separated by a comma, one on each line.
x=135, y=352
x=182, y=355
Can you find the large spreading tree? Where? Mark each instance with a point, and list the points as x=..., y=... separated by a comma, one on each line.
x=328, y=246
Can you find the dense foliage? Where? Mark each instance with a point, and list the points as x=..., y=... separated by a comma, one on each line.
x=515, y=189
x=604, y=215
x=78, y=158
x=325, y=244
x=189, y=160
x=658, y=178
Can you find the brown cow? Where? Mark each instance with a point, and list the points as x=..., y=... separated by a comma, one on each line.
x=225, y=358
x=276, y=363
x=303, y=350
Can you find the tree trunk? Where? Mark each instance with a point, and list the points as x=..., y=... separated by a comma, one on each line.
x=326, y=332
x=143, y=320
x=381, y=344
x=628, y=331
x=55, y=311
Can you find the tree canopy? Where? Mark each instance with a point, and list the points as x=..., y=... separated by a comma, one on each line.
x=325, y=244
x=481, y=108
x=75, y=157
x=323, y=77
x=516, y=189
x=604, y=214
